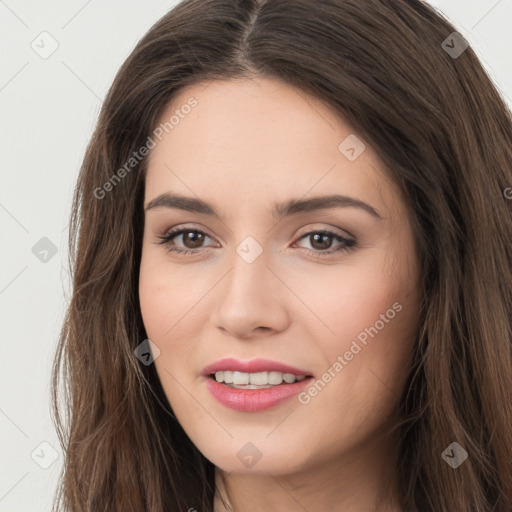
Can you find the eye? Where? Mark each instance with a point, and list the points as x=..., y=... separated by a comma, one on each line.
x=192, y=239
x=321, y=240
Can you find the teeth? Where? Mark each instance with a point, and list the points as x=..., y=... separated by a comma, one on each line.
x=275, y=378
x=259, y=379
x=253, y=380
x=240, y=378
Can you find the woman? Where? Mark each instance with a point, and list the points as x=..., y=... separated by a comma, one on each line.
x=292, y=269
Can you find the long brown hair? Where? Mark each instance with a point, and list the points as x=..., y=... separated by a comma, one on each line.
x=444, y=135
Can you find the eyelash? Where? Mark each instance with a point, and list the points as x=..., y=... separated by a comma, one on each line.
x=168, y=238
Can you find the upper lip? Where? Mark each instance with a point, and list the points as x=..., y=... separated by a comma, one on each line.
x=252, y=366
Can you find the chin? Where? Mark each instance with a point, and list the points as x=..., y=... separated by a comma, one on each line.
x=276, y=456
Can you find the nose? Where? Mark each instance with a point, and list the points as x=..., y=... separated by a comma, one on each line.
x=251, y=300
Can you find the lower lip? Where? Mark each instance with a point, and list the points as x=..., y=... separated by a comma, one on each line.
x=253, y=400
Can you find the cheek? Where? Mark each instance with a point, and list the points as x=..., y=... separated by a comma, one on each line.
x=161, y=309
x=167, y=298
x=164, y=307
x=346, y=301
x=155, y=304
x=174, y=309
x=371, y=312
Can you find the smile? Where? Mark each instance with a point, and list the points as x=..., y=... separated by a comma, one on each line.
x=259, y=380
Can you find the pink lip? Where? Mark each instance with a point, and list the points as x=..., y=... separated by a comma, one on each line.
x=254, y=366
x=253, y=400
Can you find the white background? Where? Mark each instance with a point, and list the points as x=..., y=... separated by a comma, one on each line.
x=48, y=109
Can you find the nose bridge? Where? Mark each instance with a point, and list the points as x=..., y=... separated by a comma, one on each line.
x=249, y=275
x=245, y=301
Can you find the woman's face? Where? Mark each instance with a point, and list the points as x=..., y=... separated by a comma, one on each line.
x=328, y=288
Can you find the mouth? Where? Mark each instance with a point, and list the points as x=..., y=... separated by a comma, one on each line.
x=252, y=386
x=255, y=391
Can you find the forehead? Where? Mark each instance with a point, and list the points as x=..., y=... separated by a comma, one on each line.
x=259, y=138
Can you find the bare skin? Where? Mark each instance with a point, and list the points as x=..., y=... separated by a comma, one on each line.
x=247, y=145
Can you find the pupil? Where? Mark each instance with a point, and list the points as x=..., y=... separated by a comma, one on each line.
x=195, y=238
x=318, y=236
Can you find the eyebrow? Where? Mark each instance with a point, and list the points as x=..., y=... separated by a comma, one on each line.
x=279, y=211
